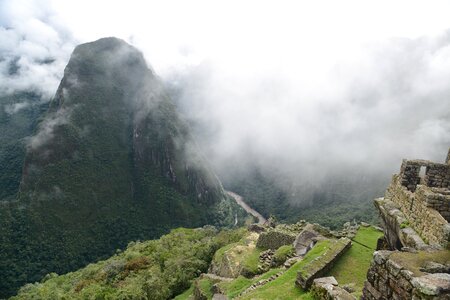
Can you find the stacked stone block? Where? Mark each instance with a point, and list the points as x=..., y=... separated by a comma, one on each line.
x=419, y=208
x=386, y=279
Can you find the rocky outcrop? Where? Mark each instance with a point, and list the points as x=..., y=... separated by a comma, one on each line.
x=322, y=264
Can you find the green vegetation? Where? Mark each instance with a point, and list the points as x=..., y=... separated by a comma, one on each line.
x=240, y=284
x=340, y=200
x=158, y=269
x=251, y=261
x=113, y=162
x=19, y=115
x=187, y=294
x=414, y=261
x=282, y=253
x=404, y=224
x=351, y=268
x=205, y=286
x=239, y=258
x=286, y=282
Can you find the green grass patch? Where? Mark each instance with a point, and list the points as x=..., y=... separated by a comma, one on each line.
x=352, y=267
x=221, y=252
x=240, y=284
x=205, y=285
x=284, y=286
x=282, y=253
x=414, y=261
x=368, y=236
x=251, y=261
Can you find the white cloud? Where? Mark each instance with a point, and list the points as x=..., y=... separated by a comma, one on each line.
x=307, y=84
x=47, y=128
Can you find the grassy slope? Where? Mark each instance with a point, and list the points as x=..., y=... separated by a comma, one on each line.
x=243, y=253
x=241, y=283
x=284, y=286
x=352, y=267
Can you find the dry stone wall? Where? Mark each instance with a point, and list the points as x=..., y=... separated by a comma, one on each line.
x=419, y=210
x=387, y=279
x=436, y=174
x=274, y=239
x=439, y=199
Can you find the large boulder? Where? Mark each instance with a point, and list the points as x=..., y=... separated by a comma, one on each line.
x=305, y=240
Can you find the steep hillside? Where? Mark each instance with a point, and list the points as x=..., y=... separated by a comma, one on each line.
x=19, y=115
x=111, y=162
x=232, y=264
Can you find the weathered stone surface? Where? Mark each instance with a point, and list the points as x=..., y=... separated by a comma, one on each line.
x=370, y=293
x=325, y=280
x=327, y=288
x=434, y=267
x=305, y=240
x=381, y=256
x=416, y=211
x=389, y=278
x=432, y=284
x=274, y=239
x=219, y=297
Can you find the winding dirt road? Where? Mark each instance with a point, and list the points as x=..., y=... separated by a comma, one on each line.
x=240, y=201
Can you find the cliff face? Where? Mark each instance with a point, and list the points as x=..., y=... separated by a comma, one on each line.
x=111, y=162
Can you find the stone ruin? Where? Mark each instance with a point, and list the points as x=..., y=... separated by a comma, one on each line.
x=416, y=207
x=415, y=212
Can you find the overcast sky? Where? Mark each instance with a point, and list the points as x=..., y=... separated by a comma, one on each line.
x=307, y=84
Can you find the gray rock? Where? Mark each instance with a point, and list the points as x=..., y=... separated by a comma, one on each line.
x=325, y=280
x=432, y=284
x=305, y=240
x=381, y=256
x=434, y=267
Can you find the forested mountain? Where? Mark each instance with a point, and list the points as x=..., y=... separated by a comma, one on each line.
x=111, y=162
